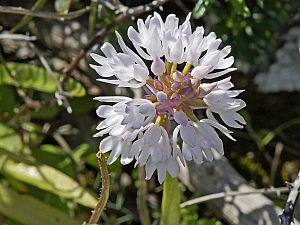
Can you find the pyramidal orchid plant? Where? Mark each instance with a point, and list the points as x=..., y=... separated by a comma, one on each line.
x=163, y=129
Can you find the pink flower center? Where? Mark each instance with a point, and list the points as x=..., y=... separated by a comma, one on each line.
x=176, y=92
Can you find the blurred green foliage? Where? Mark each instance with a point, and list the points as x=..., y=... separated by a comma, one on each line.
x=49, y=175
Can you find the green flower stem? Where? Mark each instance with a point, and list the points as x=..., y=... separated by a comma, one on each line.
x=170, y=203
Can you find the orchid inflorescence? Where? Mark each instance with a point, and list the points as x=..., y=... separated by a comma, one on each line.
x=141, y=129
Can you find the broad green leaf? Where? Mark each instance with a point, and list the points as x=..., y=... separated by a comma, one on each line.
x=62, y=6
x=37, y=78
x=49, y=179
x=30, y=211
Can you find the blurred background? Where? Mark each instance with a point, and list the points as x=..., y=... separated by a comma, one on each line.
x=49, y=172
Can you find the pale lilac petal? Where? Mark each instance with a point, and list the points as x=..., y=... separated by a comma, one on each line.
x=188, y=135
x=144, y=155
x=173, y=167
x=161, y=172
x=186, y=152
x=181, y=118
x=161, y=97
x=152, y=135
x=136, y=148
x=158, y=66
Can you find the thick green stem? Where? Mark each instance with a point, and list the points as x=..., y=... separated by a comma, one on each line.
x=170, y=208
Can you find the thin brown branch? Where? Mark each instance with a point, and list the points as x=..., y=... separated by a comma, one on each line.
x=46, y=15
x=232, y=193
x=104, y=191
x=100, y=35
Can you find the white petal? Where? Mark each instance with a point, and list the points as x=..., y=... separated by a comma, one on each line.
x=103, y=71
x=152, y=135
x=200, y=72
x=112, y=98
x=136, y=148
x=107, y=144
x=181, y=118
x=150, y=168
x=176, y=52
x=188, y=135
x=100, y=59
x=158, y=67
x=105, y=110
x=145, y=154
x=186, y=152
x=161, y=172
x=173, y=167
x=115, y=153
x=108, y=50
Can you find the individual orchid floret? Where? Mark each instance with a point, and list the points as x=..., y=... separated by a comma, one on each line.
x=141, y=130
x=221, y=100
x=126, y=118
x=125, y=67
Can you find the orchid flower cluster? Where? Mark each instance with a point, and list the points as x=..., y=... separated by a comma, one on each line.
x=176, y=86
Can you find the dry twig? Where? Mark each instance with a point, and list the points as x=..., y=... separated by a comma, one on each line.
x=232, y=193
x=46, y=15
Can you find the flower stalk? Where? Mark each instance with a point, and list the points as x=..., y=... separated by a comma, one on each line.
x=170, y=208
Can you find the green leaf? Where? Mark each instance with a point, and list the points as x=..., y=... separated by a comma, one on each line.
x=80, y=151
x=7, y=100
x=9, y=139
x=37, y=78
x=240, y=7
x=54, y=156
x=49, y=179
x=62, y=6
x=30, y=211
